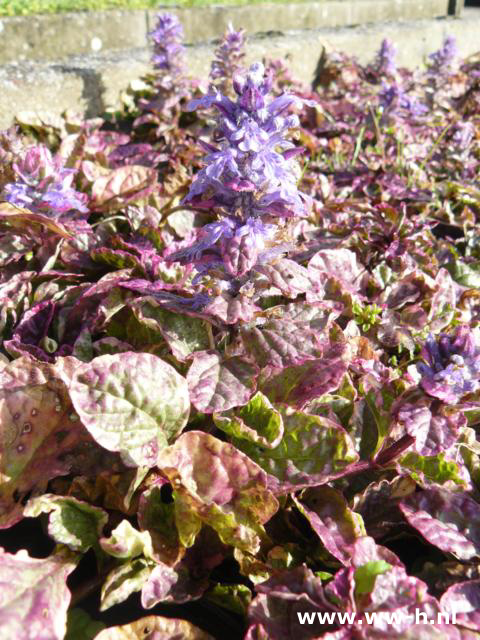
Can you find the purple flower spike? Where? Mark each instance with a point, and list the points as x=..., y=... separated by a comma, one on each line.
x=385, y=60
x=228, y=59
x=249, y=178
x=394, y=100
x=168, y=50
x=168, y=62
x=44, y=185
x=452, y=365
x=442, y=60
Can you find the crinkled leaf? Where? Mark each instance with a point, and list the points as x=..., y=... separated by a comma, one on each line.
x=174, y=585
x=112, y=191
x=35, y=596
x=239, y=255
x=216, y=484
x=290, y=278
x=232, y=310
x=183, y=334
x=463, y=600
x=378, y=504
x=129, y=577
x=434, y=426
x=432, y=469
x=336, y=525
x=133, y=403
x=313, y=449
x=288, y=335
x=72, y=522
x=40, y=434
x=155, y=626
x=218, y=384
x=340, y=264
x=258, y=421
x=299, y=384
x=450, y=521
x=233, y=597
x=279, y=600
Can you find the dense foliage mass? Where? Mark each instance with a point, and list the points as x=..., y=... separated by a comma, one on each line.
x=240, y=365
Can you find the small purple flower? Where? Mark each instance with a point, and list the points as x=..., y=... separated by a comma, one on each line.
x=452, y=365
x=394, y=100
x=44, y=185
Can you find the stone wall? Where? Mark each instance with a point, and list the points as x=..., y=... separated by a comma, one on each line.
x=91, y=82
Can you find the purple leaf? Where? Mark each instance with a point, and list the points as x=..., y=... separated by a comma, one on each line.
x=290, y=278
x=288, y=335
x=133, y=403
x=123, y=185
x=216, y=383
x=462, y=600
x=313, y=449
x=335, y=524
x=40, y=434
x=450, y=521
x=167, y=584
x=297, y=385
x=35, y=596
x=434, y=426
x=218, y=485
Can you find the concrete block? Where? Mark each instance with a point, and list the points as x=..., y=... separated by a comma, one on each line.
x=54, y=37
x=91, y=83
x=39, y=88
x=202, y=24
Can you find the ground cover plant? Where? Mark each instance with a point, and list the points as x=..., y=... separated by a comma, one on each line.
x=240, y=361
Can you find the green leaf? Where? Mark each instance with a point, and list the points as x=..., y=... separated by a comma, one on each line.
x=127, y=542
x=431, y=468
x=72, y=522
x=216, y=484
x=124, y=580
x=365, y=575
x=130, y=402
x=313, y=449
x=183, y=334
x=158, y=518
x=257, y=421
x=234, y=597
x=81, y=627
x=467, y=275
